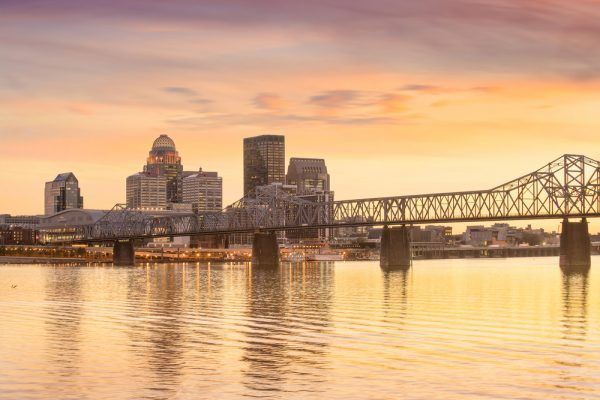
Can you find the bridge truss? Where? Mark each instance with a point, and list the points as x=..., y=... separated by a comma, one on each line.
x=566, y=187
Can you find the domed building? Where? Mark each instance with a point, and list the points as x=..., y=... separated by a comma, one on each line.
x=164, y=160
x=164, y=185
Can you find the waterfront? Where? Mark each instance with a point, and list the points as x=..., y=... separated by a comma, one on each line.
x=496, y=328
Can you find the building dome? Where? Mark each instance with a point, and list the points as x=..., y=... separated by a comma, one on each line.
x=163, y=142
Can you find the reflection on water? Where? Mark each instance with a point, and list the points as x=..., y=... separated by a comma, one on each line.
x=158, y=342
x=574, y=296
x=574, y=330
x=282, y=348
x=63, y=306
x=515, y=328
x=395, y=292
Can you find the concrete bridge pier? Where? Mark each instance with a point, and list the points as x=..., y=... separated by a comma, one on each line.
x=265, y=250
x=575, y=246
x=395, y=248
x=123, y=253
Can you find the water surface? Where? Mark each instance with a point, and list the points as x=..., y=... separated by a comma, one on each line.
x=500, y=328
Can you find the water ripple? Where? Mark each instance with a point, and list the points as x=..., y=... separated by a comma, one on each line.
x=444, y=329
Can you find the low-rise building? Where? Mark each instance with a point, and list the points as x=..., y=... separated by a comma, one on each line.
x=17, y=235
x=68, y=224
x=22, y=221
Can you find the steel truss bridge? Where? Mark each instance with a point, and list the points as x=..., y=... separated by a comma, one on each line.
x=566, y=187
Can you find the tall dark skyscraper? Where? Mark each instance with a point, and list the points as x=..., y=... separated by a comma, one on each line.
x=164, y=160
x=264, y=161
x=62, y=193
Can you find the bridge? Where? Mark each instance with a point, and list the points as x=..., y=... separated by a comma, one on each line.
x=567, y=187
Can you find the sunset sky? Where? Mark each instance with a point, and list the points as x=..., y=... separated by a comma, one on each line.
x=399, y=97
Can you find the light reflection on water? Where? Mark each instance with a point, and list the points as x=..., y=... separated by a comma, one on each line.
x=514, y=328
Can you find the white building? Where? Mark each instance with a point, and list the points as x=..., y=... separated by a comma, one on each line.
x=204, y=191
x=147, y=192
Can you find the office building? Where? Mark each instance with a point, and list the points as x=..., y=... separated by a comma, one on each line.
x=308, y=174
x=264, y=161
x=164, y=160
x=62, y=193
x=203, y=190
x=147, y=192
x=17, y=236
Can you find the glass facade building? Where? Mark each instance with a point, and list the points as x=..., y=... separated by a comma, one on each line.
x=264, y=161
x=62, y=193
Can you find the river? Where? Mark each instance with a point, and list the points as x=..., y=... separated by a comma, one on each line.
x=446, y=329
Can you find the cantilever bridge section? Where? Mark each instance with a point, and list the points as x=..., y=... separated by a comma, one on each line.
x=567, y=187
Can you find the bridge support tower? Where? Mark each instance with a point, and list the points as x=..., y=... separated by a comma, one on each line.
x=265, y=250
x=575, y=246
x=395, y=248
x=123, y=253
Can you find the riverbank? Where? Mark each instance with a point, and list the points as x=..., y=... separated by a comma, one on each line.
x=46, y=260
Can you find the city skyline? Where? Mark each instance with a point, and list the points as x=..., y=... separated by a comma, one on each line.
x=549, y=225
x=433, y=111
x=317, y=199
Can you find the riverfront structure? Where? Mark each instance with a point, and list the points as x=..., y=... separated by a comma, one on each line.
x=62, y=193
x=532, y=196
x=264, y=161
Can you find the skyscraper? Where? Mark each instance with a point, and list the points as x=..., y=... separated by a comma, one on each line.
x=308, y=174
x=146, y=192
x=264, y=161
x=62, y=193
x=204, y=191
x=164, y=160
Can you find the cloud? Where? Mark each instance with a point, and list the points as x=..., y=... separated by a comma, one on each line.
x=392, y=103
x=485, y=89
x=279, y=120
x=81, y=108
x=189, y=94
x=269, y=101
x=201, y=101
x=333, y=100
x=417, y=87
x=545, y=37
x=180, y=90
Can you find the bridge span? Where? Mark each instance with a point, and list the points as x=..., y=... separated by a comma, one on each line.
x=567, y=187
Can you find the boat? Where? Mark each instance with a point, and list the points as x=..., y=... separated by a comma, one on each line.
x=324, y=257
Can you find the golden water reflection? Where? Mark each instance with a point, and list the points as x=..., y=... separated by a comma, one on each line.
x=515, y=328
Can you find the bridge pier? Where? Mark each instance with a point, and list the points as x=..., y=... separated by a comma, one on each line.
x=123, y=253
x=395, y=248
x=265, y=250
x=575, y=246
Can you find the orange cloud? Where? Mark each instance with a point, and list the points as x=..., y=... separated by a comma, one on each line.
x=270, y=102
x=393, y=103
